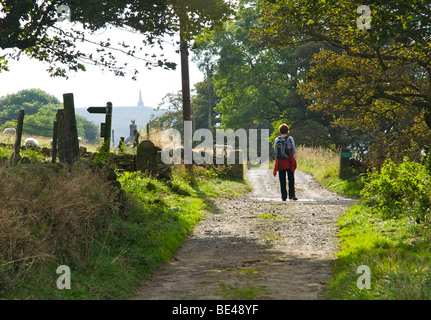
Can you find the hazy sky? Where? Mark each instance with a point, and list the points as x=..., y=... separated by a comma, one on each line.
x=94, y=87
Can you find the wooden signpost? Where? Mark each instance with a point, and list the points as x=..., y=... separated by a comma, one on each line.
x=105, y=128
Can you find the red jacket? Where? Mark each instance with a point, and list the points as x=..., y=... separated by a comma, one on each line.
x=289, y=163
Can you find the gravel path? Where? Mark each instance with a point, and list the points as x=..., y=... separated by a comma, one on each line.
x=256, y=246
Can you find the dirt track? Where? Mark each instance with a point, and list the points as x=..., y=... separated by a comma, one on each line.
x=256, y=246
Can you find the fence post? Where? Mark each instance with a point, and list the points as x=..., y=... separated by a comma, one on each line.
x=61, y=135
x=72, y=132
x=121, y=145
x=344, y=163
x=18, y=136
x=113, y=138
x=68, y=145
x=54, y=141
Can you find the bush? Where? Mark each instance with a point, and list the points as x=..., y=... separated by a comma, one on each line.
x=399, y=190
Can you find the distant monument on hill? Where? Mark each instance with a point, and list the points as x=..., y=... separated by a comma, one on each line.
x=122, y=117
x=140, y=102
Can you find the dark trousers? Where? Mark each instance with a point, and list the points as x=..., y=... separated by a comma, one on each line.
x=291, y=178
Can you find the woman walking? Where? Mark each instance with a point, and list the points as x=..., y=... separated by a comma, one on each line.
x=285, y=164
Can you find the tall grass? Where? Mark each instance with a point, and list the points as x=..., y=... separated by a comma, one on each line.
x=324, y=165
x=110, y=238
x=397, y=251
x=50, y=213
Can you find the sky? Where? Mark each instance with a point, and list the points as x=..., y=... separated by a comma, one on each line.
x=95, y=87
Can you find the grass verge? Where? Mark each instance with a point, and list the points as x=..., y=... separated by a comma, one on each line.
x=110, y=256
x=324, y=165
x=396, y=248
x=396, y=251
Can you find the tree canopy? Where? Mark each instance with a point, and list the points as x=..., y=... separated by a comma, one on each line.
x=40, y=111
x=32, y=27
x=374, y=81
x=256, y=85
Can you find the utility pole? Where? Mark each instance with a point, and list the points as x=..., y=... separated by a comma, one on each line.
x=185, y=80
x=209, y=99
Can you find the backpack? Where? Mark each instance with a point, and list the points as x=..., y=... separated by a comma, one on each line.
x=281, y=149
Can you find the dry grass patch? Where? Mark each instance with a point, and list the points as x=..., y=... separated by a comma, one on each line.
x=51, y=212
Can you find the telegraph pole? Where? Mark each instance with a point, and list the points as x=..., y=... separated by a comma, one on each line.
x=185, y=80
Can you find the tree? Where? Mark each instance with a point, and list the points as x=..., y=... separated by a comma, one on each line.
x=203, y=103
x=31, y=27
x=172, y=118
x=89, y=131
x=193, y=17
x=257, y=86
x=40, y=110
x=31, y=100
x=376, y=80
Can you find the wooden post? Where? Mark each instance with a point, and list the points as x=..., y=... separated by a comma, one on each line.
x=121, y=145
x=185, y=81
x=344, y=163
x=61, y=135
x=18, y=136
x=108, y=125
x=67, y=134
x=72, y=143
x=148, y=131
x=54, y=141
x=113, y=138
x=209, y=99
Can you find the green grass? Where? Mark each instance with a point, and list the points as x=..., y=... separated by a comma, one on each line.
x=397, y=251
x=158, y=218
x=396, y=248
x=324, y=165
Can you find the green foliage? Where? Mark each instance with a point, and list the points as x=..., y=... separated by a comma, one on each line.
x=30, y=100
x=87, y=129
x=373, y=83
x=102, y=153
x=3, y=64
x=399, y=190
x=388, y=231
x=40, y=112
x=256, y=87
x=173, y=118
x=34, y=156
x=204, y=98
x=6, y=152
x=41, y=39
x=137, y=230
x=245, y=77
x=41, y=122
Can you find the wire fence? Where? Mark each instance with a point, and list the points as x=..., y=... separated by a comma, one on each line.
x=29, y=128
x=63, y=138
